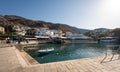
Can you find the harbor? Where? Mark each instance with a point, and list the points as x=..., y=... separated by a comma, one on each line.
x=47, y=53
x=59, y=36
x=51, y=51
x=12, y=61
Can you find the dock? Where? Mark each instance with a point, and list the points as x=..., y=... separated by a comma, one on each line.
x=11, y=60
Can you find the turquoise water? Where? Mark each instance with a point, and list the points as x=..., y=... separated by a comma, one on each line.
x=70, y=52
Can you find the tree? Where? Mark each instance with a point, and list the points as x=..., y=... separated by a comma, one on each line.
x=115, y=32
x=97, y=34
x=103, y=34
x=30, y=32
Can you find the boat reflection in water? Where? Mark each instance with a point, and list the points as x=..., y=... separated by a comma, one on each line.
x=45, y=51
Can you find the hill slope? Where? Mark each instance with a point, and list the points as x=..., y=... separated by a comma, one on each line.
x=11, y=20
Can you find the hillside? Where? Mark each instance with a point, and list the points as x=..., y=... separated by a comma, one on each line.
x=9, y=21
x=102, y=30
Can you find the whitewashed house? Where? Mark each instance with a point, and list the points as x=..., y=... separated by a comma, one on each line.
x=42, y=32
x=21, y=33
x=2, y=29
x=20, y=30
x=67, y=34
x=48, y=32
x=55, y=33
x=16, y=28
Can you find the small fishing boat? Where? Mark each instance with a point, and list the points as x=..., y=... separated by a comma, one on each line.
x=45, y=51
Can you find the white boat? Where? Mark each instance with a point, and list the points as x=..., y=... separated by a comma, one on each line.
x=44, y=37
x=45, y=51
x=79, y=38
x=109, y=39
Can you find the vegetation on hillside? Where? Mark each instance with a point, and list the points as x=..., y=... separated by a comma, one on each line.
x=8, y=21
x=115, y=32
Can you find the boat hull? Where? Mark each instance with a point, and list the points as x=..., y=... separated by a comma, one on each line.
x=44, y=53
x=80, y=41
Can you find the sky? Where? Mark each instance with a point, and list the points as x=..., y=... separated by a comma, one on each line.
x=87, y=14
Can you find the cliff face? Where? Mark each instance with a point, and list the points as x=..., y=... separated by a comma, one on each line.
x=11, y=20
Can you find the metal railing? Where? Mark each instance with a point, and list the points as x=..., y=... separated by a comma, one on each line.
x=115, y=50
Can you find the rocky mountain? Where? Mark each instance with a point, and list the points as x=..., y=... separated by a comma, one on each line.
x=102, y=30
x=9, y=21
x=81, y=30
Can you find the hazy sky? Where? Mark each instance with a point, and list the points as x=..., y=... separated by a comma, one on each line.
x=88, y=14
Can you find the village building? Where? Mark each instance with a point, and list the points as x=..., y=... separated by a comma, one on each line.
x=48, y=32
x=67, y=34
x=42, y=32
x=2, y=29
x=20, y=30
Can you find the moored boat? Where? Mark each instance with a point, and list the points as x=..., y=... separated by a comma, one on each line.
x=109, y=39
x=79, y=38
x=45, y=51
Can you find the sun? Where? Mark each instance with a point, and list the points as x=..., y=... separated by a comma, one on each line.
x=112, y=6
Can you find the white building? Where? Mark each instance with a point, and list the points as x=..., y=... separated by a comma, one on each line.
x=101, y=30
x=67, y=34
x=54, y=33
x=42, y=32
x=20, y=30
x=17, y=28
x=22, y=33
x=2, y=29
x=48, y=32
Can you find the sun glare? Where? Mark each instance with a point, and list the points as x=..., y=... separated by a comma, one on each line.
x=112, y=6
